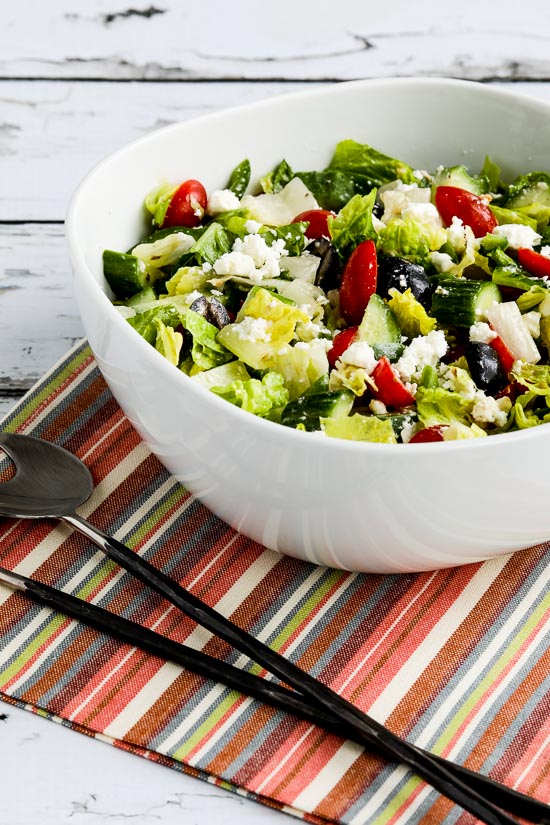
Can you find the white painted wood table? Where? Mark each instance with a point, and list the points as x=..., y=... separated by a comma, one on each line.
x=78, y=80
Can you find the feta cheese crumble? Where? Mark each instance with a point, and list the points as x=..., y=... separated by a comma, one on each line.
x=517, y=235
x=253, y=329
x=481, y=333
x=360, y=354
x=487, y=410
x=426, y=350
x=222, y=200
x=441, y=261
x=545, y=251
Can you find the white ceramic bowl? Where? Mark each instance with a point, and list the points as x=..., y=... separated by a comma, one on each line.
x=366, y=507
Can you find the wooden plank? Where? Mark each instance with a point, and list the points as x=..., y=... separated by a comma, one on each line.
x=39, y=321
x=185, y=41
x=52, y=133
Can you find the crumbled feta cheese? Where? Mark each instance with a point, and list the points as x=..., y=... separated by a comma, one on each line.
x=192, y=296
x=517, y=235
x=440, y=290
x=532, y=322
x=235, y=263
x=421, y=174
x=252, y=227
x=309, y=330
x=441, y=261
x=425, y=213
x=398, y=196
x=409, y=428
x=360, y=354
x=253, y=329
x=481, y=333
x=283, y=350
x=421, y=352
x=487, y=410
x=377, y=224
x=377, y=407
x=411, y=387
x=542, y=185
x=206, y=267
x=301, y=345
x=545, y=251
x=222, y=200
x=456, y=234
x=216, y=292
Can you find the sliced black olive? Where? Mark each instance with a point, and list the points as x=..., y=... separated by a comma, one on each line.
x=378, y=209
x=200, y=305
x=398, y=273
x=485, y=367
x=328, y=271
x=217, y=314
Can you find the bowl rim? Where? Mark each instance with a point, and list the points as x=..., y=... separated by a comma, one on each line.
x=81, y=270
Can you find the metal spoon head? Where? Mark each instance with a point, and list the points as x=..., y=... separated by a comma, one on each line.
x=49, y=481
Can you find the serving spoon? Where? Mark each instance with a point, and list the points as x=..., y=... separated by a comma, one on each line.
x=50, y=482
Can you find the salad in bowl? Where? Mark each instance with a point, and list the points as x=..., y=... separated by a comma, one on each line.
x=368, y=301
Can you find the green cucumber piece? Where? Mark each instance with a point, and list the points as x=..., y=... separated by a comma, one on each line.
x=399, y=421
x=529, y=189
x=146, y=296
x=460, y=177
x=307, y=410
x=459, y=302
x=125, y=274
x=379, y=325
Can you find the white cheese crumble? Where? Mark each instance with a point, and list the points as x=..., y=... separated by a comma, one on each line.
x=252, y=258
x=517, y=235
x=410, y=427
x=360, y=354
x=377, y=407
x=545, y=251
x=487, y=410
x=252, y=227
x=235, y=263
x=424, y=213
x=192, y=296
x=441, y=261
x=398, y=196
x=456, y=234
x=481, y=333
x=426, y=350
x=253, y=329
x=222, y=200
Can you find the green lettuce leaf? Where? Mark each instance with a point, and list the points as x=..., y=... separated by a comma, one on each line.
x=439, y=406
x=353, y=224
x=536, y=377
x=206, y=350
x=410, y=239
x=368, y=167
x=240, y=178
x=255, y=396
x=158, y=201
x=332, y=188
x=187, y=279
x=491, y=172
x=506, y=216
x=301, y=367
x=411, y=316
x=214, y=242
x=278, y=179
x=145, y=323
x=222, y=376
x=293, y=235
x=164, y=251
x=458, y=432
x=360, y=428
x=168, y=342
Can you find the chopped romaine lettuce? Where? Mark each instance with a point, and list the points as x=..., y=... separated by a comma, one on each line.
x=302, y=367
x=331, y=188
x=240, y=178
x=255, y=396
x=222, y=376
x=408, y=238
x=367, y=166
x=214, y=242
x=158, y=201
x=206, y=350
x=278, y=179
x=146, y=322
x=439, y=406
x=411, y=316
x=281, y=207
x=360, y=428
x=353, y=224
x=168, y=342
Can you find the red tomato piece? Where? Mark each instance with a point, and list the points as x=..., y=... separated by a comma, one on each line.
x=471, y=209
x=340, y=343
x=358, y=282
x=534, y=263
x=512, y=391
x=317, y=219
x=389, y=387
x=506, y=357
x=187, y=206
x=428, y=434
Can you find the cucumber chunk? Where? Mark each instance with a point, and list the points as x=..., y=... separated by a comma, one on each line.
x=307, y=410
x=459, y=302
x=124, y=273
x=379, y=325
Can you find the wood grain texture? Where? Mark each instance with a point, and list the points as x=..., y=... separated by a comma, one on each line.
x=294, y=41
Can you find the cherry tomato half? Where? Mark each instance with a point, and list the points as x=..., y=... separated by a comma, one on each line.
x=187, y=206
x=389, y=387
x=318, y=226
x=534, y=263
x=428, y=434
x=472, y=210
x=358, y=282
x=506, y=357
x=340, y=343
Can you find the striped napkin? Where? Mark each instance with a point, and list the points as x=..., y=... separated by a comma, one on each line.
x=457, y=661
